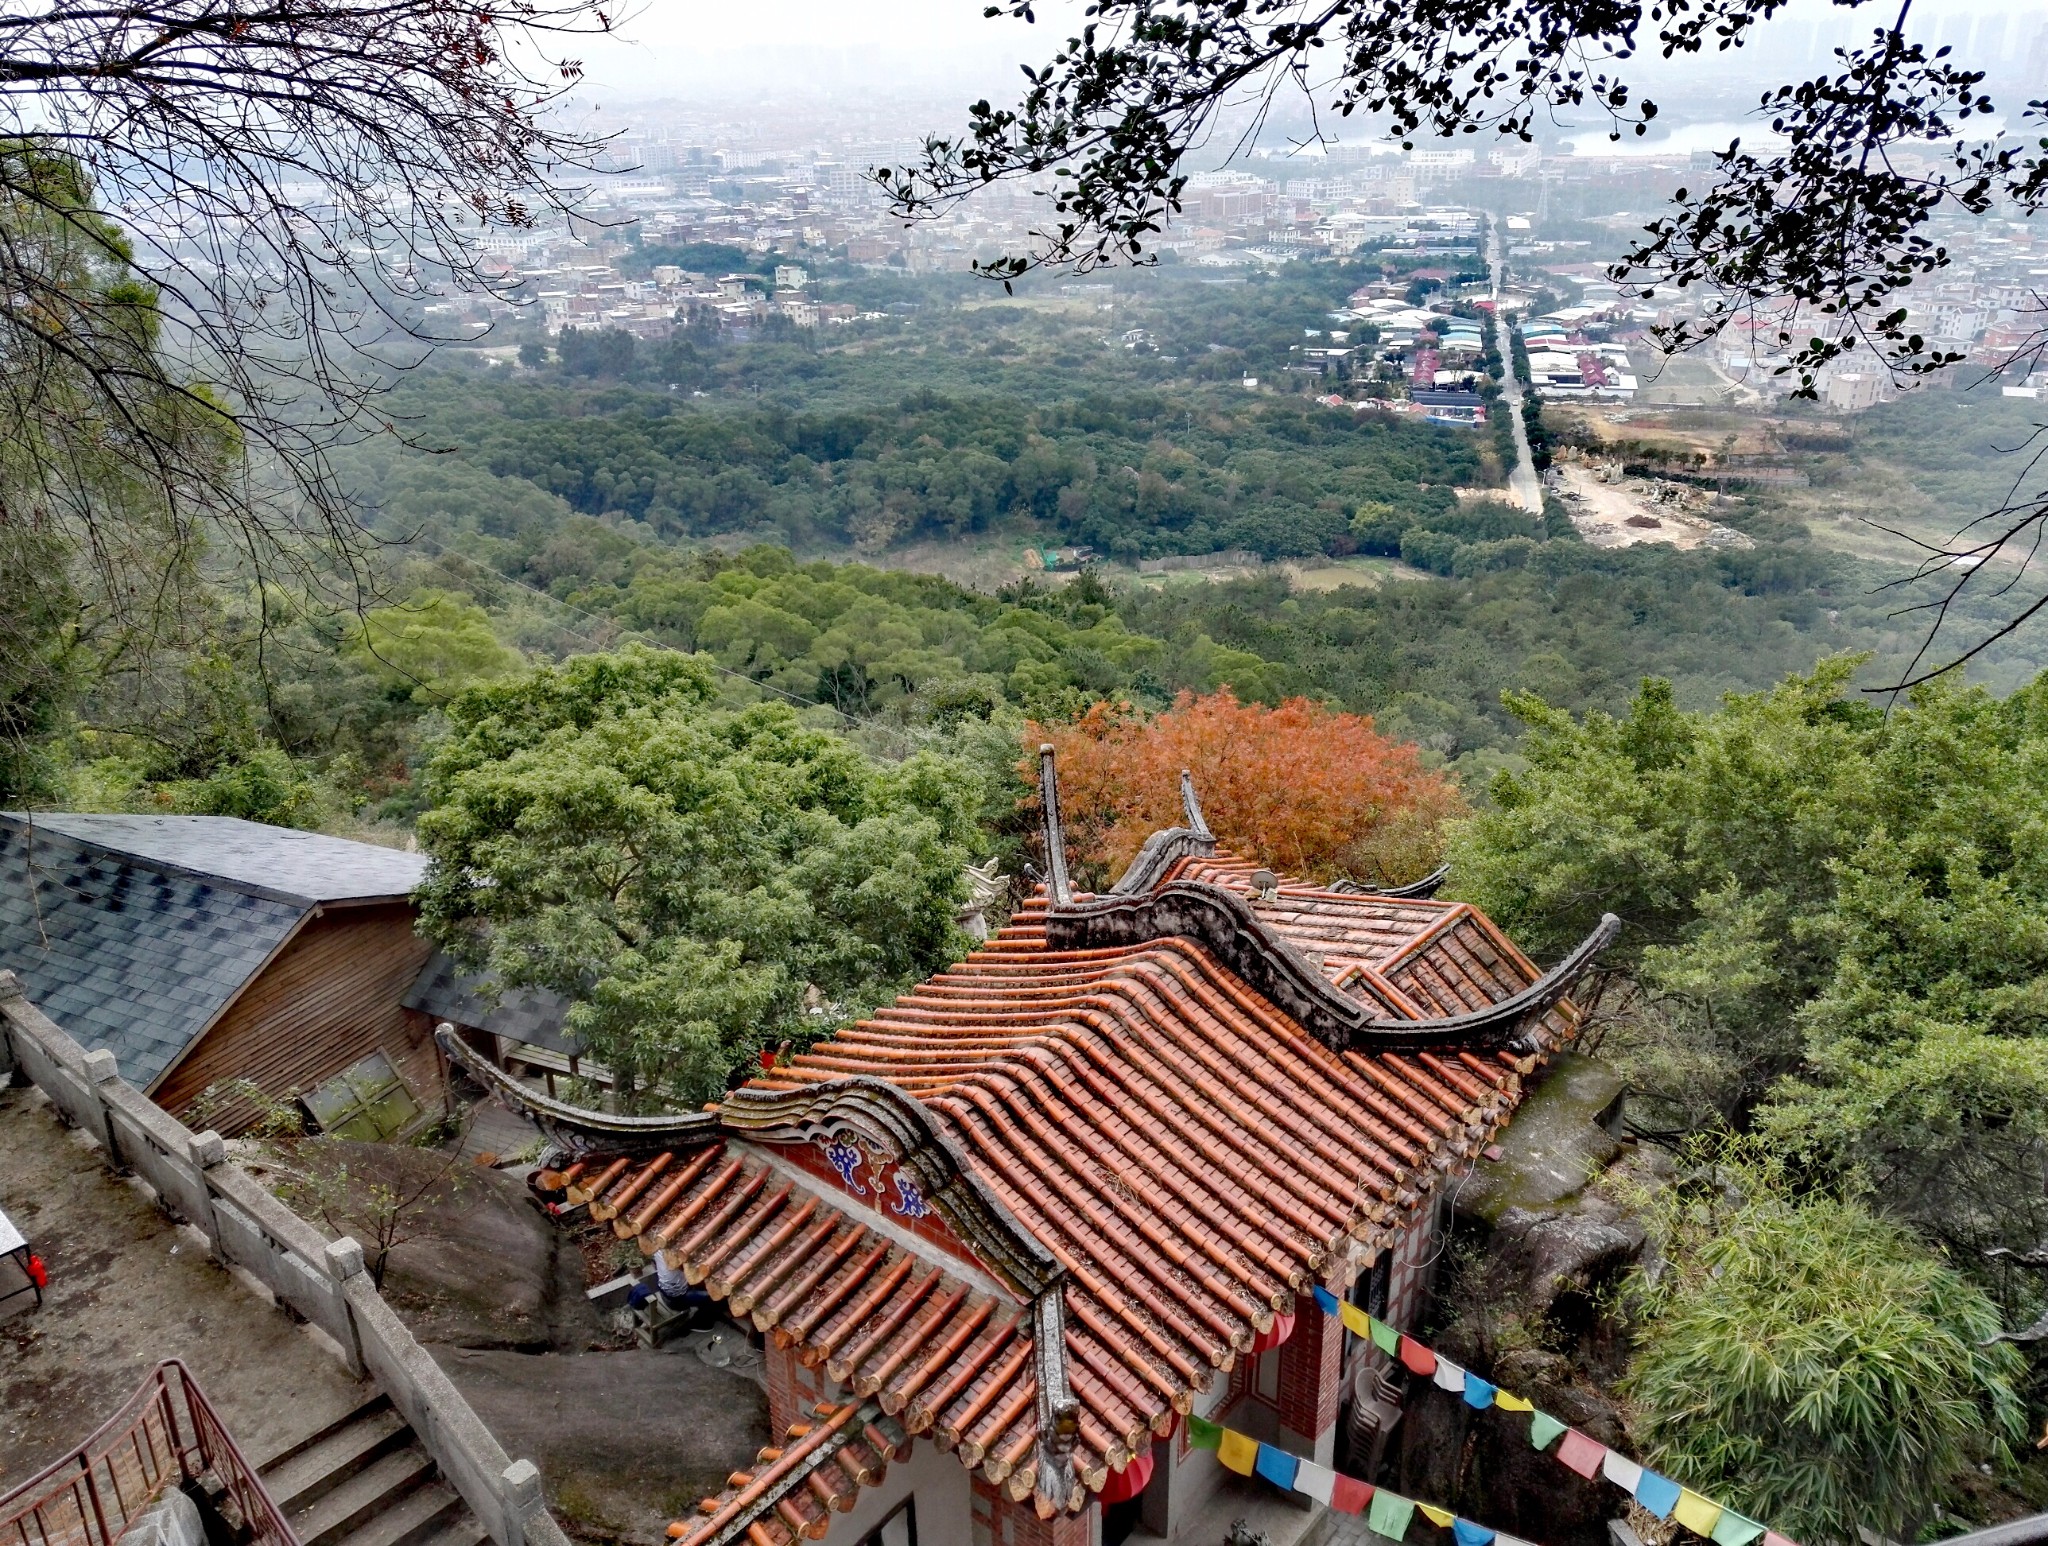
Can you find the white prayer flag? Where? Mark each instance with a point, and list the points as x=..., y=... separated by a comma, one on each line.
x=1316, y=1481
x=1448, y=1375
x=1621, y=1471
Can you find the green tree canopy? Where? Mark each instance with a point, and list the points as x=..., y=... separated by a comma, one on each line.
x=699, y=880
x=1837, y=925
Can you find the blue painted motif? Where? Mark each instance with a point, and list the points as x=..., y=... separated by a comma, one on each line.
x=910, y=1202
x=847, y=1159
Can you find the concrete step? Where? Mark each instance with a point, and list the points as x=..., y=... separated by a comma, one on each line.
x=374, y=1404
x=462, y=1530
x=330, y=1460
x=370, y=1492
x=410, y=1520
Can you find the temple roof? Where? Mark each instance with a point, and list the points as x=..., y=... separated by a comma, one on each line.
x=1041, y=1201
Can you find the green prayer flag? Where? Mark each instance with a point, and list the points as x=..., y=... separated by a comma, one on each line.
x=1544, y=1429
x=1390, y=1514
x=1202, y=1433
x=1731, y=1529
x=1385, y=1337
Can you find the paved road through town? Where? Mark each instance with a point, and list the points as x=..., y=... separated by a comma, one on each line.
x=1523, y=483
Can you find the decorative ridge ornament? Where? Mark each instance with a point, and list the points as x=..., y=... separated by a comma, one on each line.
x=1152, y=863
x=1223, y=923
x=1057, y=886
x=1055, y=1489
x=1415, y=890
x=1191, y=808
x=890, y=1121
x=577, y=1129
x=886, y=1118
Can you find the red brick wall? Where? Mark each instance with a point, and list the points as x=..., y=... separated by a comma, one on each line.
x=1311, y=1372
x=793, y=1390
x=999, y=1522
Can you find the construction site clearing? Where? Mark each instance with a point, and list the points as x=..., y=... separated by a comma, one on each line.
x=1611, y=509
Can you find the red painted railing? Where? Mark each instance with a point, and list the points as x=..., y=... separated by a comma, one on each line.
x=165, y=1435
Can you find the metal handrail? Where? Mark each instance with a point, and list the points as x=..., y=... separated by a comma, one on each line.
x=91, y=1496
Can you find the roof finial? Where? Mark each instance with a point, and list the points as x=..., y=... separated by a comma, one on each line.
x=1192, y=807
x=1055, y=835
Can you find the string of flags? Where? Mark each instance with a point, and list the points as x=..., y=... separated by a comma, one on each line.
x=1386, y=1513
x=1588, y=1457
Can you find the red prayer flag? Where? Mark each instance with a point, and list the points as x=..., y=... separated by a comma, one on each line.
x=1581, y=1453
x=1349, y=1495
x=1416, y=1358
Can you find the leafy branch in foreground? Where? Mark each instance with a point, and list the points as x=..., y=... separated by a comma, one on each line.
x=1830, y=226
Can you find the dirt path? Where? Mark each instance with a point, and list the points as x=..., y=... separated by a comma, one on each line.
x=128, y=1288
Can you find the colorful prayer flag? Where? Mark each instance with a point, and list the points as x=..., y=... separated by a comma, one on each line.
x=1416, y=1358
x=1512, y=1403
x=1469, y=1534
x=1478, y=1394
x=1202, y=1433
x=1315, y=1481
x=1355, y=1320
x=1442, y=1518
x=1238, y=1453
x=1621, y=1471
x=1390, y=1514
x=1581, y=1453
x=1384, y=1337
x=1659, y=1494
x=1773, y=1538
x=1696, y=1513
x=1277, y=1466
x=1734, y=1530
x=1449, y=1376
x=1325, y=1300
x=1544, y=1429
x=1350, y=1495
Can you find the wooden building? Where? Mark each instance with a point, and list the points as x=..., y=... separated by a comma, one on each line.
x=1002, y=1239
x=204, y=950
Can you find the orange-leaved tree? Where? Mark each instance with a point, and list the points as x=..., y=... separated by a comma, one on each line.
x=1302, y=788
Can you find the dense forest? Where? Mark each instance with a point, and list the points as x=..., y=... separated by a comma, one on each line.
x=665, y=612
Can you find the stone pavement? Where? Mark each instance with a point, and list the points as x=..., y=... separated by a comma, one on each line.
x=129, y=1288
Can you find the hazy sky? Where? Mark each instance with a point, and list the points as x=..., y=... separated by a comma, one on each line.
x=943, y=51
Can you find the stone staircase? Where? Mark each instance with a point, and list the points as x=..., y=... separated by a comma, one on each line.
x=364, y=1480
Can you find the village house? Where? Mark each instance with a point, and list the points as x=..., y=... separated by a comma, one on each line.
x=1002, y=1239
x=228, y=960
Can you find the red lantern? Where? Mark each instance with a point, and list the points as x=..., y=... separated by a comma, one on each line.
x=1281, y=1329
x=1130, y=1481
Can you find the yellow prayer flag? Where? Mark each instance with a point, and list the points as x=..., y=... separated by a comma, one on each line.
x=1238, y=1452
x=1696, y=1513
x=1355, y=1320
x=1441, y=1517
x=1508, y=1403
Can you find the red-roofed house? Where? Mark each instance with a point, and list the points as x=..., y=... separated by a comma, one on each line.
x=1004, y=1236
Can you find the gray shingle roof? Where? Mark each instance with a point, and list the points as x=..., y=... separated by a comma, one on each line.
x=126, y=955
x=277, y=862
x=531, y=1015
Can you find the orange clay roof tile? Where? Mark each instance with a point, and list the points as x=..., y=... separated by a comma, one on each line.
x=1191, y=1157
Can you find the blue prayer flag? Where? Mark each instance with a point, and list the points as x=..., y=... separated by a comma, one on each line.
x=1277, y=1466
x=1478, y=1393
x=1658, y=1494
x=1469, y=1534
x=1325, y=1300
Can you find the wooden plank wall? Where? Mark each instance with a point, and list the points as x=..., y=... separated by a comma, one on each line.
x=329, y=997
